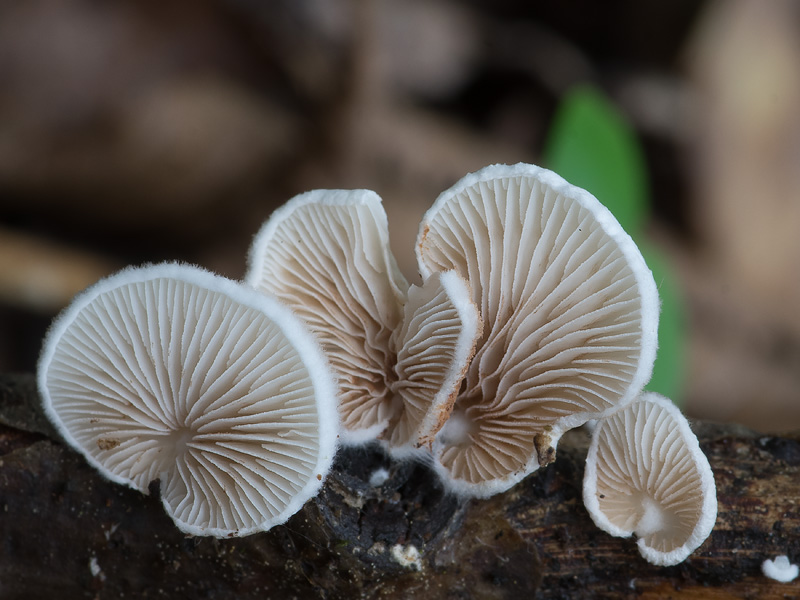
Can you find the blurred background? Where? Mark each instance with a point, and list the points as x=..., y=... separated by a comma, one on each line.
x=136, y=131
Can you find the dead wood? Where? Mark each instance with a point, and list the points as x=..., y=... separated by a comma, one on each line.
x=69, y=532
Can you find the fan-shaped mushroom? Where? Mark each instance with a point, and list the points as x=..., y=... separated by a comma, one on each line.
x=645, y=474
x=398, y=354
x=169, y=372
x=326, y=255
x=570, y=315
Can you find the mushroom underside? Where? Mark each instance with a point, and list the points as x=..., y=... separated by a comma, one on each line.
x=645, y=474
x=326, y=255
x=570, y=312
x=174, y=374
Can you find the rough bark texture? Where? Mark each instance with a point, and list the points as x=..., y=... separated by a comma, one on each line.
x=67, y=531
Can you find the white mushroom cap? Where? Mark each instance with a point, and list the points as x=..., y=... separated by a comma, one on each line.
x=435, y=343
x=645, y=474
x=169, y=372
x=780, y=569
x=326, y=254
x=570, y=314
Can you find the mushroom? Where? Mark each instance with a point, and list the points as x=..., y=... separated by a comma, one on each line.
x=780, y=569
x=171, y=373
x=398, y=353
x=645, y=474
x=326, y=255
x=570, y=313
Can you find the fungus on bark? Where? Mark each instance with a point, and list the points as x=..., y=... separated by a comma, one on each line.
x=780, y=569
x=398, y=352
x=570, y=314
x=645, y=474
x=171, y=373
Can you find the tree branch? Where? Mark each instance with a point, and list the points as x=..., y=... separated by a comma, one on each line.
x=66, y=529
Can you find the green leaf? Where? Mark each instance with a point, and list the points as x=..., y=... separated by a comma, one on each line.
x=670, y=368
x=591, y=145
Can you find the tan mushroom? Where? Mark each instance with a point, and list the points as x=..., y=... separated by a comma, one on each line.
x=398, y=354
x=645, y=474
x=171, y=373
x=570, y=315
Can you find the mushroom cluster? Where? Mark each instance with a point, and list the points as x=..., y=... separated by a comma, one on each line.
x=174, y=374
x=536, y=314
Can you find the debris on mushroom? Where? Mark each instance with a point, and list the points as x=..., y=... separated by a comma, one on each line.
x=780, y=569
x=645, y=474
x=171, y=373
x=407, y=556
x=570, y=314
x=398, y=353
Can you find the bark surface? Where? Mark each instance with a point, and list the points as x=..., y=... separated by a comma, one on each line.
x=67, y=531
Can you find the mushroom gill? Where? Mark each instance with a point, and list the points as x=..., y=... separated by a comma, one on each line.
x=434, y=345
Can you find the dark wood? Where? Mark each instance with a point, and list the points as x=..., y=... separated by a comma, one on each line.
x=68, y=533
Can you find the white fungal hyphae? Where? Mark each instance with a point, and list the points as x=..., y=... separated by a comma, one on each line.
x=780, y=569
x=399, y=354
x=570, y=314
x=94, y=568
x=407, y=556
x=645, y=474
x=171, y=373
x=378, y=477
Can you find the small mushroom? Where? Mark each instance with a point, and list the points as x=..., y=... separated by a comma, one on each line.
x=570, y=313
x=780, y=569
x=174, y=374
x=645, y=474
x=398, y=353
